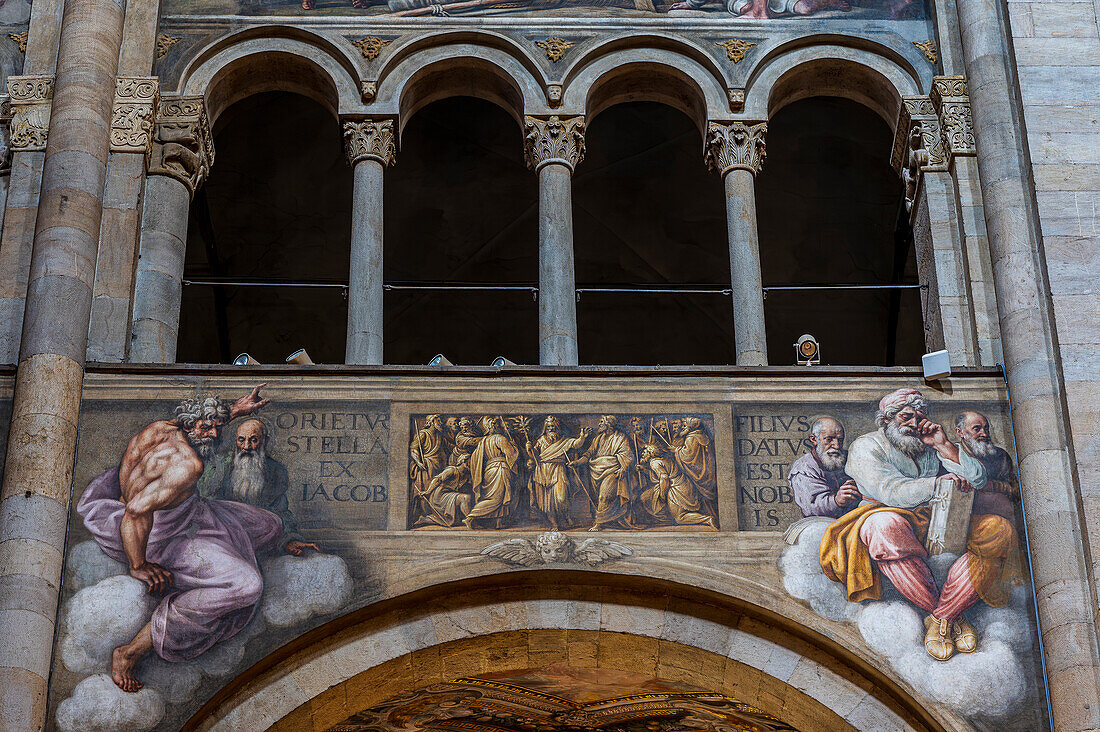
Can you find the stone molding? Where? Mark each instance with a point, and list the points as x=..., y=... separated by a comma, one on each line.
x=952, y=102
x=553, y=140
x=735, y=146
x=132, y=118
x=30, y=98
x=370, y=140
x=183, y=147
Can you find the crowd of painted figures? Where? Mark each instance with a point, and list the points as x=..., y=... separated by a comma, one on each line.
x=619, y=472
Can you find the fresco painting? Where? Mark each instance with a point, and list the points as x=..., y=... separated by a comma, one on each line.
x=213, y=525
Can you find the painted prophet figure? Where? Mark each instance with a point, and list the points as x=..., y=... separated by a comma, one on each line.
x=199, y=553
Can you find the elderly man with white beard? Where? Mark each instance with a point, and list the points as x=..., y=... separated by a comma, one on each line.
x=1001, y=489
x=898, y=469
x=818, y=481
x=250, y=475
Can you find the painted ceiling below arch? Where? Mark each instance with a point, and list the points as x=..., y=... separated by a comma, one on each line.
x=562, y=698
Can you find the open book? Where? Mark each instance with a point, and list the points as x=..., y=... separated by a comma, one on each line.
x=949, y=525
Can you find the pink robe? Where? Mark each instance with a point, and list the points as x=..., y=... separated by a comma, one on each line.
x=210, y=548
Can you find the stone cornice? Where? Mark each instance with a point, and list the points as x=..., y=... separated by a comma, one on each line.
x=132, y=118
x=30, y=98
x=735, y=146
x=182, y=145
x=370, y=140
x=553, y=140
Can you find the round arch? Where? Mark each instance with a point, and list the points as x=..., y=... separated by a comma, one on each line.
x=872, y=79
x=526, y=619
x=252, y=62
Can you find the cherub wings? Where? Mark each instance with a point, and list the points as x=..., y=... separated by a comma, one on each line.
x=514, y=551
x=594, y=551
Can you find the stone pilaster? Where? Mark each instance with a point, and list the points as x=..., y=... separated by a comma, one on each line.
x=553, y=147
x=370, y=147
x=553, y=140
x=183, y=147
x=737, y=151
x=952, y=102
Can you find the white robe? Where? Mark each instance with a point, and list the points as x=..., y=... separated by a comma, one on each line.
x=885, y=474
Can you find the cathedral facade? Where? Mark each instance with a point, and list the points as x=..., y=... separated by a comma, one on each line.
x=549, y=365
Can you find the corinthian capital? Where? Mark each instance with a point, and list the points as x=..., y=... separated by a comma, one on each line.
x=370, y=140
x=735, y=145
x=182, y=146
x=553, y=140
x=952, y=101
x=30, y=98
x=132, y=117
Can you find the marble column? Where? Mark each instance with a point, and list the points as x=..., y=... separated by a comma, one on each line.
x=183, y=152
x=984, y=111
x=736, y=150
x=553, y=146
x=370, y=148
x=38, y=474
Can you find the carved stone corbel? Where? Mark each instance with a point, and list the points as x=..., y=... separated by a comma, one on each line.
x=182, y=145
x=735, y=145
x=5, y=135
x=370, y=139
x=133, y=114
x=30, y=98
x=952, y=103
x=922, y=151
x=553, y=140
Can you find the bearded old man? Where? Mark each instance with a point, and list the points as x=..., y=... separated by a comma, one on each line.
x=492, y=467
x=250, y=475
x=200, y=553
x=898, y=469
x=672, y=497
x=1002, y=492
x=549, y=478
x=610, y=460
x=694, y=453
x=818, y=481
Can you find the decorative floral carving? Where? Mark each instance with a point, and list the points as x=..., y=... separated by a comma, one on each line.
x=929, y=49
x=371, y=46
x=735, y=145
x=184, y=147
x=736, y=49
x=132, y=116
x=950, y=98
x=555, y=48
x=165, y=42
x=370, y=140
x=30, y=98
x=553, y=139
x=20, y=40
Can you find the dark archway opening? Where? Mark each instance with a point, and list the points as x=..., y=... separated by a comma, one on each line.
x=275, y=213
x=461, y=232
x=830, y=212
x=648, y=215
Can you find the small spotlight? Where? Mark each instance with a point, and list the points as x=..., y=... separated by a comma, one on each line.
x=245, y=360
x=937, y=365
x=300, y=357
x=807, y=351
x=440, y=360
x=502, y=361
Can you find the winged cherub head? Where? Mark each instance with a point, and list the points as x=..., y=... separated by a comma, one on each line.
x=554, y=546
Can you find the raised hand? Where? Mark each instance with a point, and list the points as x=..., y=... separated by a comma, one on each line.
x=155, y=577
x=248, y=404
x=297, y=547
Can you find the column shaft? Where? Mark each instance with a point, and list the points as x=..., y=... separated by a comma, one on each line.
x=748, y=293
x=364, y=344
x=158, y=281
x=37, y=484
x=557, y=282
x=1059, y=535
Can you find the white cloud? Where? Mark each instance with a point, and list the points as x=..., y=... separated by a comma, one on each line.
x=297, y=588
x=88, y=564
x=100, y=618
x=97, y=705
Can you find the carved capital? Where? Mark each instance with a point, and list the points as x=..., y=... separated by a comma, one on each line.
x=921, y=148
x=182, y=145
x=30, y=98
x=952, y=103
x=370, y=140
x=132, y=117
x=735, y=145
x=553, y=140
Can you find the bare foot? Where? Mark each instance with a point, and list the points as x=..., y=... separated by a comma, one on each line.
x=123, y=661
x=596, y=527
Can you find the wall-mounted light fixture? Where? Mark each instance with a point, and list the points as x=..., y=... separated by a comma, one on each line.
x=439, y=360
x=300, y=357
x=807, y=351
x=502, y=361
x=245, y=360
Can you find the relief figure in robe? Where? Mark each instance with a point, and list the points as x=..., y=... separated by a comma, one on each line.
x=550, y=477
x=493, y=466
